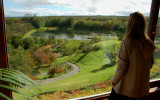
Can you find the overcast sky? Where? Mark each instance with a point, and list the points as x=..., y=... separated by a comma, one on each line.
x=14, y=8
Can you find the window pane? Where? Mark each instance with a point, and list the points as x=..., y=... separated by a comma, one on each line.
x=69, y=47
x=155, y=69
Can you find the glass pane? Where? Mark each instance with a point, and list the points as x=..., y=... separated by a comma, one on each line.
x=155, y=69
x=69, y=47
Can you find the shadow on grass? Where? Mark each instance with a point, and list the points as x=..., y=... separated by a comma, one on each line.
x=102, y=68
x=81, y=57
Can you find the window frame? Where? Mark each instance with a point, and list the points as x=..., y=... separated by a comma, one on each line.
x=4, y=58
x=3, y=50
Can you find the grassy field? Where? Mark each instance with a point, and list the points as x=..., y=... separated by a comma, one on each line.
x=94, y=68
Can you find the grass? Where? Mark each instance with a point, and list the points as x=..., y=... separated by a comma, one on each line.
x=41, y=77
x=86, y=76
x=76, y=43
x=29, y=33
x=94, y=68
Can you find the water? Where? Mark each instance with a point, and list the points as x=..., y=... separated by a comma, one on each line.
x=65, y=35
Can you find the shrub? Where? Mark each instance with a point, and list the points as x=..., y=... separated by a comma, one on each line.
x=67, y=51
x=87, y=48
x=112, y=54
x=61, y=48
x=97, y=47
x=16, y=41
x=59, y=70
x=120, y=36
x=95, y=39
x=28, y=43
x=52, y=71
x=44, y=57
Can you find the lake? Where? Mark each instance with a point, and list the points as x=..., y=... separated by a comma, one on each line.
x=73, y=35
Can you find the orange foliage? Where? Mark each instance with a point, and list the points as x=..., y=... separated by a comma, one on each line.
x=43, y=57
x=32, y=77
x=52, y=56
x=75, y=93
x=59, y=70
x=51, y=71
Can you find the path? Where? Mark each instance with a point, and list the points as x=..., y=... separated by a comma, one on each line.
x=74, y=71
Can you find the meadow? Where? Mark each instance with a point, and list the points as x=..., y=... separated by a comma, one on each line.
x=96, y=57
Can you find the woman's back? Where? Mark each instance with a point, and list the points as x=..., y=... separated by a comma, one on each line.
x=131, y=79
x=136, y=57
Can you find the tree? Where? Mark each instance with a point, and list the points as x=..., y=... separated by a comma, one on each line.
x=16, y=41
x=79, y=25
x=41, y=57
x=44, y=56
x=37, y=21
x=20, y=59
x=27, y=17
x=68, y=22
x=28, y=43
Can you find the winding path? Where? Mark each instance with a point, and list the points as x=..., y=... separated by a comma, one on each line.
x=74, y=71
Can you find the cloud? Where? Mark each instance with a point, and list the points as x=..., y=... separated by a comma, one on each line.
x=22, y=12
x=91, y=9
x=79, y=7
x=33, y=3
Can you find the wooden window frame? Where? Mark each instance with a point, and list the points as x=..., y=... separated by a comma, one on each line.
x=3, y=50
x=4, y=58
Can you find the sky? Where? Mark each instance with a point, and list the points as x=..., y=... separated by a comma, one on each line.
x=16, y=8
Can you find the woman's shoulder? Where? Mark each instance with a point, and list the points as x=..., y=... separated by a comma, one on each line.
x=131, y=41
x=126, y=41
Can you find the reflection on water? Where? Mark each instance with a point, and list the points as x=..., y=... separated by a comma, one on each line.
x=67, y=35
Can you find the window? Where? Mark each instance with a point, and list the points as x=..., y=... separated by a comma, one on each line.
x=73, y=53
x=155, y=69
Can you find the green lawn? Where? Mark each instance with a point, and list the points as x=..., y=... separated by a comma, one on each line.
x=93, y=68
x=91, y=72
x=76, y=43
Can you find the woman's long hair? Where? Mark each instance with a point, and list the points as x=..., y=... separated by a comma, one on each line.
x=136, y=28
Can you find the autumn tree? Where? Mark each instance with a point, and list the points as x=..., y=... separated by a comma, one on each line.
x=43, y=57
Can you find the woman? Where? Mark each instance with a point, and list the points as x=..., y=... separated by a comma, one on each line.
x=131, y=79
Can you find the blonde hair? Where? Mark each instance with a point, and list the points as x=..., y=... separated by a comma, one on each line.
x=136, y=28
